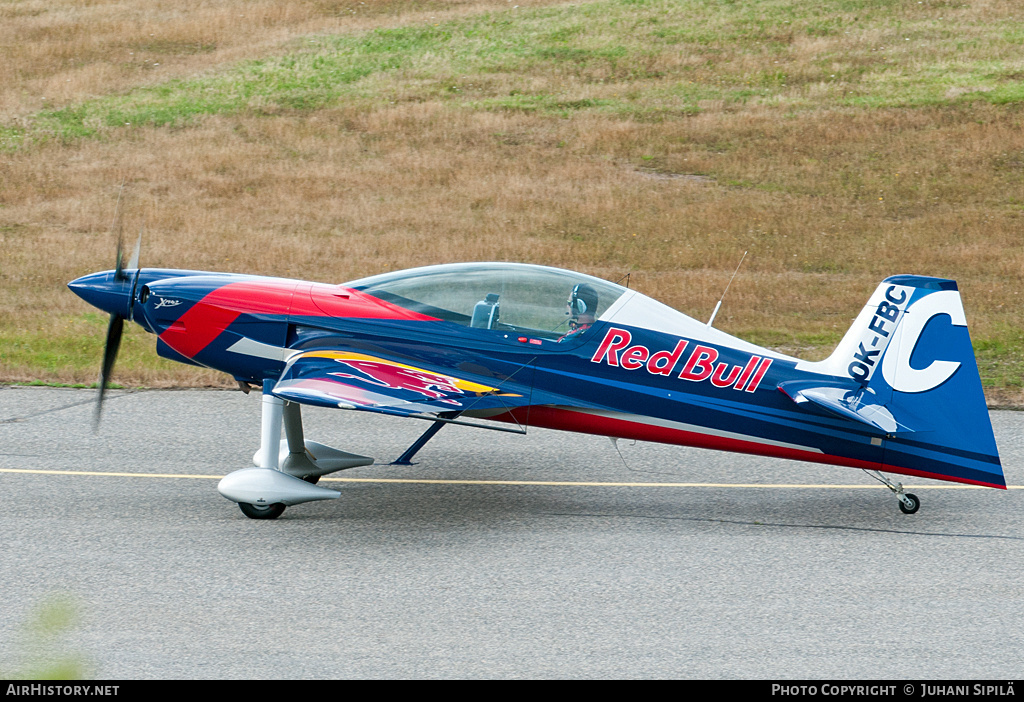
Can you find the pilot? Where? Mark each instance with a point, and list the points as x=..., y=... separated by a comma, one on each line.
x=582, y=306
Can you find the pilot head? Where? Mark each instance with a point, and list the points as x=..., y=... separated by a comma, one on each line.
x=582, y=304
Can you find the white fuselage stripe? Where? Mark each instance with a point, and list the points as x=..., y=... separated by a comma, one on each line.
x=249, y=347
x=693, y=428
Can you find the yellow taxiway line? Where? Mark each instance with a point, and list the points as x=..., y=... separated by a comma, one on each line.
x=549, y=483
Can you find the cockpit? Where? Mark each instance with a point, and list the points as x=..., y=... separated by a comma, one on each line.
x=511, y=297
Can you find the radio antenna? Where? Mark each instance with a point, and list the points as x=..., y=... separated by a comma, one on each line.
x=713, y=314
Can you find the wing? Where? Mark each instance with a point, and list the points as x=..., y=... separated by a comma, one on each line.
x=360, y=381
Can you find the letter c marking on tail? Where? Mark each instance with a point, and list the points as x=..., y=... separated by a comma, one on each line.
x=896, y=367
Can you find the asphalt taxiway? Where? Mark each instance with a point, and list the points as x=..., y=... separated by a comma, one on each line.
x=496, y=555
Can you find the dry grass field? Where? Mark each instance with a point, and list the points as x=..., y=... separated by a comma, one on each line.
x=838, y=141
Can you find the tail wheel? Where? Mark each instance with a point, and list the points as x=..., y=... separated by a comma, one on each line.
x=262, y=511
x=915, y=504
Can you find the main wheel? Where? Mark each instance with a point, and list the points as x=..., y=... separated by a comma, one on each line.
x=915, y=504
x=262, y=511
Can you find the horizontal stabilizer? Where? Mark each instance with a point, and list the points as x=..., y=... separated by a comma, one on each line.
x=856, y=403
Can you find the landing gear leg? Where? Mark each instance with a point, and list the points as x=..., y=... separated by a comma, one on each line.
x=909, y=502
x=296, y=459
x=270, y=428
x=284, y=470
x=270, y=448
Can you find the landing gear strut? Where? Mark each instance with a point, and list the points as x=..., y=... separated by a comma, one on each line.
x=285, y=472
x=909, y=502
x=406, y=458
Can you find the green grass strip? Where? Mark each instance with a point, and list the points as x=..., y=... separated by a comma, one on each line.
x=668, y=55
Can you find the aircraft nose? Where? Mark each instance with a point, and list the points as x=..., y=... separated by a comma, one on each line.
x=104, y=291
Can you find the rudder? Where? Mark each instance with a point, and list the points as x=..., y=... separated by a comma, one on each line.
x=909, y=348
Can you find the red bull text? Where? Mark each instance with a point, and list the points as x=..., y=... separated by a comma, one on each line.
x=702, y=363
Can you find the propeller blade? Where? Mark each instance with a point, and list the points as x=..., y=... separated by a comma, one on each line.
x=116, y=325
x=133, y=262
x=119, y=273
x=118, y=222
x=114, y=330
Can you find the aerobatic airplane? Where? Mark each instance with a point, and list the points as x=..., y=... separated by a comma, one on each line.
x=509, y=346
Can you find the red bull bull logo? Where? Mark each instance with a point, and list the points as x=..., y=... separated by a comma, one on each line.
x=399, y=376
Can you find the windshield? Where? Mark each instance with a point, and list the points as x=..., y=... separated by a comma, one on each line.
x=499, y=296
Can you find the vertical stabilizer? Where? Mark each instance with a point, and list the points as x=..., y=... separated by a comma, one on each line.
x=909, y=350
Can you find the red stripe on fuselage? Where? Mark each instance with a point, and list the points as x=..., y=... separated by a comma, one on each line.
x=585, y=423
x=193, y=331
x=274, y=296
x=208, y=318
x=336, y=301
